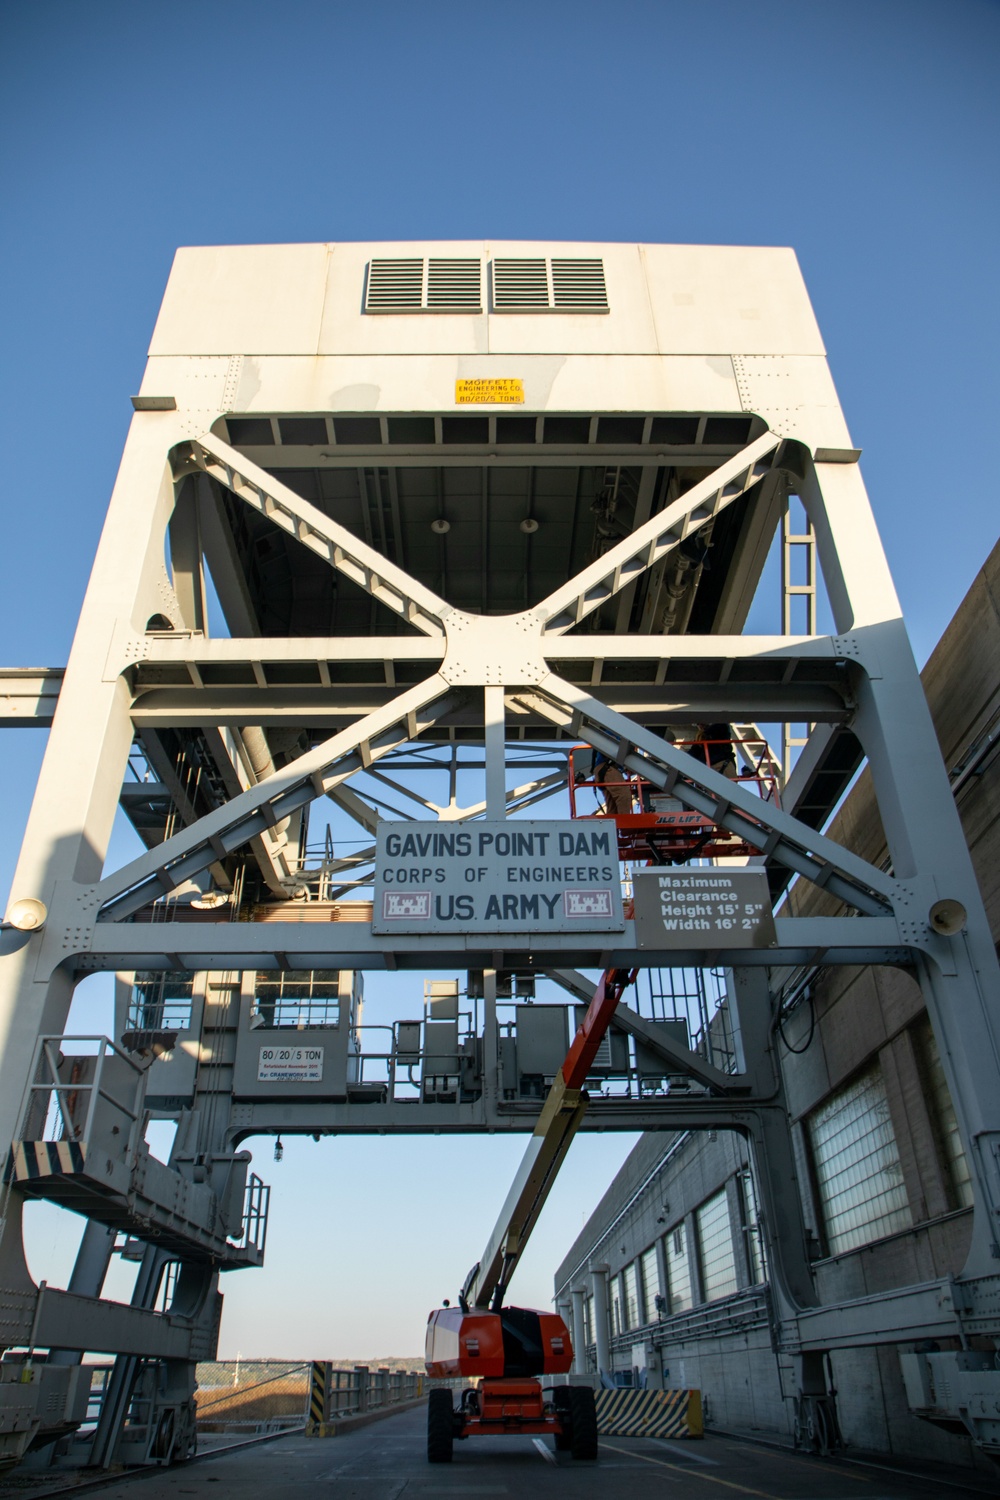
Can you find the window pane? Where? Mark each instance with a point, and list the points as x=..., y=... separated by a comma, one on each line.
x=650, y=1283
x=616, y=1305
x=943, y=1116
x=857, y=1166
x=296, y=999
x=631, y=1297
x=715, y=1243
x=160, y=1001
x=678, y=1270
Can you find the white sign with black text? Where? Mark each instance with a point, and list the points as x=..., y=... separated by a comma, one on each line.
x=519, y=876
x=278, y=1064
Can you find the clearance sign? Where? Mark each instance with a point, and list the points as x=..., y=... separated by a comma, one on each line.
x=518, y=876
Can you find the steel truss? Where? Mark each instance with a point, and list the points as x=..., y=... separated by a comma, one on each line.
x=142, y=662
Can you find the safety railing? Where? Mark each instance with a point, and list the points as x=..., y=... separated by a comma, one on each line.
x=261, y=1396
x=73, y=1076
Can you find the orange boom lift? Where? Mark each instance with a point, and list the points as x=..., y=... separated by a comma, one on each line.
x=507, y=1348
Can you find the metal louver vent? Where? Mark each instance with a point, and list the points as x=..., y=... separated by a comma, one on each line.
x=520, y=284
x=579, y=284
x=416, y=285
x=454, y=284
x=557, y=285
x=395, y=286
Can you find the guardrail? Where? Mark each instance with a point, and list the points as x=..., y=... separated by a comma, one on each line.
x=264, y=1396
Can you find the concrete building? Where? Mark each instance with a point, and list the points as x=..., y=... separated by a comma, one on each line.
x=674, y=1248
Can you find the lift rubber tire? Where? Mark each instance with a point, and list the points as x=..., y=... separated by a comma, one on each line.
x=583, y=1420
x=440, y=1427
x=560, y=1400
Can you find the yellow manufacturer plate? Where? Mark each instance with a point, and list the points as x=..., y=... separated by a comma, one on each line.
x=489, y=392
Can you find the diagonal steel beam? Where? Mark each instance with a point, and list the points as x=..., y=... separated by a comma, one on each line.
x=778, y=835
x=379, y=577
x=571, y=603
x=217, y=834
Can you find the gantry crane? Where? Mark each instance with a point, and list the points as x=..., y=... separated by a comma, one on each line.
x=507, y=1348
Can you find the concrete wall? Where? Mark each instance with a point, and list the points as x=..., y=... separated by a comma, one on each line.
x=860, y=1016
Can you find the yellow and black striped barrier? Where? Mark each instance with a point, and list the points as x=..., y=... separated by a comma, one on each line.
x=629, y=1412
x=319, y=1398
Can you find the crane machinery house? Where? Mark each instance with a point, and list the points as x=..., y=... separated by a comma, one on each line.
x=424, y=636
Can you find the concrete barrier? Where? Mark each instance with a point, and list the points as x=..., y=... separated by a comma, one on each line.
x=629, y=1412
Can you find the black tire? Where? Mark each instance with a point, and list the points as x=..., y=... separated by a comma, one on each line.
x=583, y=1422
x=560, y=1400
x=440, y=1427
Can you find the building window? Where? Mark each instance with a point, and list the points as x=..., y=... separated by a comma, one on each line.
x=297, y=1000
x=756, y=1254
x=650, y=1275
x=616, y=1305
x=943, y=1117
x=857, y=1166
x=630, y=1298
x=160, y=1001
x=678, y=1271
x=588, y=1321
x=715, y=1248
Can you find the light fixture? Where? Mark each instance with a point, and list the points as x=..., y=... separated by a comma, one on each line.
x=948, y=917
x=440, y=525
x=279, y=1149
x=27, y=915
x=529, y=525
x=210, y=901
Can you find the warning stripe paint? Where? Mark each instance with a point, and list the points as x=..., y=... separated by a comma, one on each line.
x=30, y=1160
x=317, y=1392
x=627, y=1412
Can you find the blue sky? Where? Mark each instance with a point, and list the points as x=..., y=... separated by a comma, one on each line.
x=863, y=133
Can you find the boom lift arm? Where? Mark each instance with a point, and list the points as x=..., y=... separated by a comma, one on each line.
x=563, y=1110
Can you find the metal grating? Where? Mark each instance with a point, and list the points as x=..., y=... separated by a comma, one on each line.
x=414, y=285
x=558, y=285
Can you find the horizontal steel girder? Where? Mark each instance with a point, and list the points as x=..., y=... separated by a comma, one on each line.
x=28, y=696
x=319, y=707
x=351, y=945
x=65, y=1320
x=897, y=1316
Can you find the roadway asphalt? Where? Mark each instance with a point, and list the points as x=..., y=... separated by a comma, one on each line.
x=386, y=1461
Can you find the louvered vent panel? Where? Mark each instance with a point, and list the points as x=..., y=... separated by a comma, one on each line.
x=559, y=285
x=454, y=284
x=395, y=286
x=579, y=284
x=520, y=284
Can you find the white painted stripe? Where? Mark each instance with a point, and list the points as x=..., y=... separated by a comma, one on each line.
x=544, y=1450
x=685, y=1451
